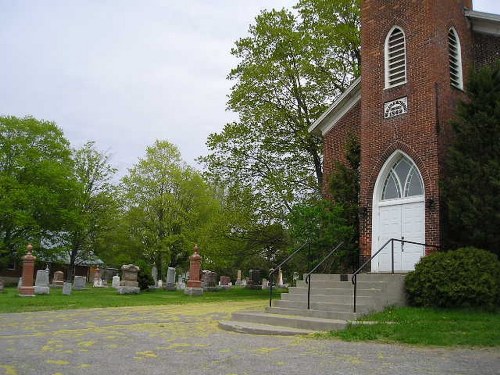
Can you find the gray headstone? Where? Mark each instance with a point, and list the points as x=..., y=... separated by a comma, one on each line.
x=42, y=282
x=154, y=274
x=128, y=290
x=1, y=285
x=79, y=282
x=20, y=283
x=116, y=281
x=42, y=278
x=67, y=288
x=170, y=276
x=170, y=279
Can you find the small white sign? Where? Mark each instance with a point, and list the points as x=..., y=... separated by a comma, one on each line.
x=396, y=107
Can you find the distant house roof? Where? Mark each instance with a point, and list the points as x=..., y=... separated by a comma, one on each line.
x=485, y=23
x=338, y=109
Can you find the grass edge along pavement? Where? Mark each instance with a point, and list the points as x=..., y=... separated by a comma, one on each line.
x=425, y=327
x=406, y=325
x=11, y=302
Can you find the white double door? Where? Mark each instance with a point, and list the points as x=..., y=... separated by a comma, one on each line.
x=405, y=221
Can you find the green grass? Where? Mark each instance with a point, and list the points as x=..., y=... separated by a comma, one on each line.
x=11, y=302
x=425, y=326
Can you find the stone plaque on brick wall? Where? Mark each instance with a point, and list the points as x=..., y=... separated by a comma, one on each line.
x=396, y=107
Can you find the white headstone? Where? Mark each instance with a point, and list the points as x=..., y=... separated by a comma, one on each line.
x=116, y=281
x=280, y=278
x=160, y=284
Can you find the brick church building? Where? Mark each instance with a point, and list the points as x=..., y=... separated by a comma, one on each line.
x=416, y=56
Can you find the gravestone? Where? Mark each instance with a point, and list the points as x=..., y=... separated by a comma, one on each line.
x=160, y=284
x=238, y=278
x=58, y=279
x=254, y=281
x=194, y=283
x=97, y=278
x=79, y=282
x=128, y=283
x=181, y=285
x=170, y=278
x=154, y=274
x=20, y=283
x=1, y=286
x=280, y=279
x=116, y=282
x=209, y=281
x=66, y=289
x=265, y=284
x=42, y=282
x=225, y=281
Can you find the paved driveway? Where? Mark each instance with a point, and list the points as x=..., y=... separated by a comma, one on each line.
x=186, y=340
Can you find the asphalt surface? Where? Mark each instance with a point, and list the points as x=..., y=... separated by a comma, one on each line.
x=186, y=340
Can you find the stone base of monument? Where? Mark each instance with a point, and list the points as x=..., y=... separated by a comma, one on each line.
x=42, y=289
x=170, y=287
x=193, y=291
x=128, y=290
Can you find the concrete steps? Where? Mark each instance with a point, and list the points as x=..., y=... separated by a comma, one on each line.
x=331, y=304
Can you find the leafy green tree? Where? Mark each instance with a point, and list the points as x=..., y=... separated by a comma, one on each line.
x=472, y=182
x=36, y=184
x=291, y=67
x=166, y=204
x=93, y=207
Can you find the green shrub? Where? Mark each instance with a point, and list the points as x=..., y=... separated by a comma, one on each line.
x=144, y=279
x=467, y=277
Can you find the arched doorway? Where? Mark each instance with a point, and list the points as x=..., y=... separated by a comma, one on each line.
x=398, y=212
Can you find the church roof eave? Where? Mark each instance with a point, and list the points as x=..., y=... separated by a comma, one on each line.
x=486, y=23
x=338, y=109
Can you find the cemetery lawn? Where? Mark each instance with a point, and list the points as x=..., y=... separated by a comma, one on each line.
x=427, y=327
x=11, y=302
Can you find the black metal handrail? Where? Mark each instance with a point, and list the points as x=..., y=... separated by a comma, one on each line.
x=355, y=273
x=273, y=270
x=308, y=276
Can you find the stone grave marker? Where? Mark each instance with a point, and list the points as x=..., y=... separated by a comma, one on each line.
x=58, y=279
x=209, y=281
x=20, y=283
x=265, y=284
x=67, y=289
x=154, y=274
x=225, y=281
x=97, y=278
x=238, y=278
x=181, y=285
x=42, y=282
x=170, y=278
x=280, y=279
x=79, y=282
x=1, y=286
x=116, y=282
x=254, y=281
x=128, y=283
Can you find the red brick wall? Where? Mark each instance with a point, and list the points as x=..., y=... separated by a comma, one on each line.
x=334, y=144
x=486, y=49
x=423, y=132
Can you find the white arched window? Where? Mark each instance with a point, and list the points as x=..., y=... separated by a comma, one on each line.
x=395, y=58
x=455, y=59
x=403, y=181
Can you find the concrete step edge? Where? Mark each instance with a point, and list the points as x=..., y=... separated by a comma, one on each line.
x=262, y=329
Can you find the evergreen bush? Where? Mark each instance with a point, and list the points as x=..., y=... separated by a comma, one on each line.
x=144, y=279
x=467, y=277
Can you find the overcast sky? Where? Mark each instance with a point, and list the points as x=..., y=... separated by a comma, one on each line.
x=127, y=72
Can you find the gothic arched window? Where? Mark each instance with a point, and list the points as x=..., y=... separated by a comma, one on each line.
x=403, y=181
x=395, y=58
x=455, y=58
